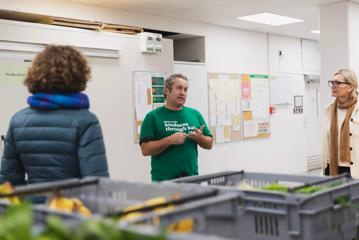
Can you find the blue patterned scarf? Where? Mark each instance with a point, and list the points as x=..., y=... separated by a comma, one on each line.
x=46, y=101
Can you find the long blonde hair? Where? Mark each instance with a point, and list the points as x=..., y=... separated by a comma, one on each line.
x=350, y=77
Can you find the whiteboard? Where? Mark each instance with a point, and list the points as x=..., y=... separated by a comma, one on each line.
x=282, y=89
x=12, y=91
x=197, y=81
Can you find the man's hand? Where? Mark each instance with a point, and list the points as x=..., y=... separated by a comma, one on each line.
x=205, y=142
x=196, y=134
x=155, y=147
x=177, y=138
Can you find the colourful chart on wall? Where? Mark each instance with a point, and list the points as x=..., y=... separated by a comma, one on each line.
x=255, y=106
x=224, y=107
x=148, y=95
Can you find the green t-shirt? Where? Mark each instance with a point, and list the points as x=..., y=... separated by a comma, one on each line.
x=176, y=159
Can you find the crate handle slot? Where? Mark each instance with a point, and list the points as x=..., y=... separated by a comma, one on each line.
x=265, y=211
x=201, y=178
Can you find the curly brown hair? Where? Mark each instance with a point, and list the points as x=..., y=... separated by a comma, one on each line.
x=58, y=69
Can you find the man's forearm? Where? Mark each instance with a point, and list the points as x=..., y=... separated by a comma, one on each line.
x=154, y=148
x=205, y=142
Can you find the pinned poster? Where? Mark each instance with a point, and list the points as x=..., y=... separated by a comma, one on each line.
x=224, y=106
x=236, y=122
x=227, y=133
x=255, y=106
x=142, y=88
x=246, y=105
x=141, y=111
x=158, y=82
x=223, y=134
x=263, y=127
x=250, y=128
x=148, y=95
x=246, y=88
x=219, y=135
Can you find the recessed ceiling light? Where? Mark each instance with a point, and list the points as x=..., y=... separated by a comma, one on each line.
x=315, y=31
x=270, y=19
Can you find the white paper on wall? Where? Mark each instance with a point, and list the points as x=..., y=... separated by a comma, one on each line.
x=250, y=128
x=220, y=135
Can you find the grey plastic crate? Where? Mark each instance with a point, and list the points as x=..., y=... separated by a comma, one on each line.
x=104, y=196
x=214, y=216
x=255, y=179
x=205, y=206
x=108, y=197
x=269, y=215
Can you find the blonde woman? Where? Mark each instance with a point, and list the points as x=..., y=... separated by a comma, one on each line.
x=340, y=144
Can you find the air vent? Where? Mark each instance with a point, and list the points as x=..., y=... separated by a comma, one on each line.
x=314, y=162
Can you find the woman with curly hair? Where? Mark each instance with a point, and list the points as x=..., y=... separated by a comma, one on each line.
x=56, y=137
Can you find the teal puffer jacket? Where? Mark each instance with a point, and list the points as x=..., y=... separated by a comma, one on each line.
x=43, y=146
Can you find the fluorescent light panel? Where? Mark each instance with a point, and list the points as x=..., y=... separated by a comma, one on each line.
x=315, y=31
x=270, y=19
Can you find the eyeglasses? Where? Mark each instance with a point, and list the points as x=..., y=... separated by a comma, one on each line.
x=335, y=84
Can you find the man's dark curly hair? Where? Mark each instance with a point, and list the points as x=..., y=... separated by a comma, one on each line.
x=58, y=69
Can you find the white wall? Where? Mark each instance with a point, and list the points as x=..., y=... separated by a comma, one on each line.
x=249, y=52
x=310, y=56
x=353, y=38
x=110, y=89
x=236, y=51
x=339, y=41
x=227, y=50
x=334, y=44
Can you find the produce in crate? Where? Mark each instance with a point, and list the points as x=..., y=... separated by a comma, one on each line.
x=182, y=226
x=69, y=205
x=244, y=185
x=311, y=189
x=275, y=187
x=158, y=205
x=280, y=187
x=148, y=203
x=7, y=188
x=16, y=223
x=135, y=211
x=300, y=190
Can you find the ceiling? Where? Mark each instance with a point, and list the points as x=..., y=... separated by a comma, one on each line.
x=225, y=12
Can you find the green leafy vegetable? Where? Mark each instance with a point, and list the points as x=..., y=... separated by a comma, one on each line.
x=15, y=223
x=310, y=189
x=276, y=187
x=55, y=229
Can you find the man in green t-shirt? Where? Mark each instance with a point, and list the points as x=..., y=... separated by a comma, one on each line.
x=170, y=134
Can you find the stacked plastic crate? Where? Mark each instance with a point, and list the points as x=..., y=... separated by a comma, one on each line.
x=115, y=199
x=280, y=206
